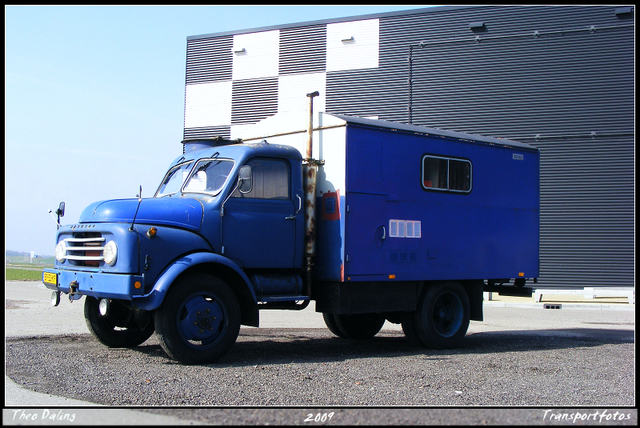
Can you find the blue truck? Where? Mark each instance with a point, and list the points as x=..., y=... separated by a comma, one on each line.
x=374, y=221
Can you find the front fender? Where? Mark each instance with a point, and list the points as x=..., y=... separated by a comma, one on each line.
x=154, y=299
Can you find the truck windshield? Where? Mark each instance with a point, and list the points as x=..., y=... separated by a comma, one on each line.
x=173, y=180
x=208, y=176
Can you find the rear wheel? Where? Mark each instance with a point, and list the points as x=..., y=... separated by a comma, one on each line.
x=120, y=327
x=441, y=319
x=359, y=326
x=330, y=321
x=409, y=329
x=199, y=320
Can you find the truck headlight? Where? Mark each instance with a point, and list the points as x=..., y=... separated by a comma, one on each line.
x=61, y=251
x=110, y=253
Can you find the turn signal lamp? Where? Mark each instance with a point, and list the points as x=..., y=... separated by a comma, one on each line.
x=152, y=232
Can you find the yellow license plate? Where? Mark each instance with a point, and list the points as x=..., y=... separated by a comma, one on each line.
x=50, y=278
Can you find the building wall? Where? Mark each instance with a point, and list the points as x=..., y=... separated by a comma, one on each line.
x=558, y=77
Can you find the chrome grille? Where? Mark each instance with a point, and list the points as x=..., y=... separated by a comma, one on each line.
x=88, y=251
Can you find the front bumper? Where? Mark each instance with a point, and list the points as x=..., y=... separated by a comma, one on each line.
x=95, y=284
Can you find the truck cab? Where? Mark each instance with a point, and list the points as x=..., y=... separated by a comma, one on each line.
x=225, y=213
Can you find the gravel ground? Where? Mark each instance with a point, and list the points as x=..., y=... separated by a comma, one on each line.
x=309, y=367
x=521, y=366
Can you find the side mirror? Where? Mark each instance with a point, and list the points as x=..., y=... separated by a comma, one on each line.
x=60, y=211
x=245, y=184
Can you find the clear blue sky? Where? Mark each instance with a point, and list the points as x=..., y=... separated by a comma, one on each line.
x=94, y=101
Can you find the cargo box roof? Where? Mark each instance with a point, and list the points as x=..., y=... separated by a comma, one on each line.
x=433, y=131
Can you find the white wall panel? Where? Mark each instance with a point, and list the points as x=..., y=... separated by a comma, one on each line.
x=207, y=104
x=239, y=131
x=352, y=45
x=293, y=90
x=255, y=55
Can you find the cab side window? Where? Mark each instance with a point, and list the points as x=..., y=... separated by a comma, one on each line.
x=270, y=180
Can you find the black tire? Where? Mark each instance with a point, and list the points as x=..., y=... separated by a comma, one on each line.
x=119, y=328
x=409, y=329
x=441, y=319
x=360, y=326
x=330, y=321
x=199, y=320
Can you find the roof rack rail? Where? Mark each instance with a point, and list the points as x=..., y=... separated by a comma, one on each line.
x=191, y=144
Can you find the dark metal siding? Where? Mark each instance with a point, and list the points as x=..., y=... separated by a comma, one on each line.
x=253, y=100
x=587, y=211
x=360, y=93
x=209, y=60
x=208, y=132
x=523, y=85
x=303, y=50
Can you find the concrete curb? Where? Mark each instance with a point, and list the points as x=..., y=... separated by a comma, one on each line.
x=582, y=306
x=25, y=407
x=17, y=395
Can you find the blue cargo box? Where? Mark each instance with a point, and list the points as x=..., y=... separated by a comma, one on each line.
x=403, y=203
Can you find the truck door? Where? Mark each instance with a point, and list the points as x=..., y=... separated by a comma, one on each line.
x=259, y=225
x=365, y=234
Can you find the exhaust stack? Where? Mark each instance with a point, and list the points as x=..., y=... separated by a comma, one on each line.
x=310, y=170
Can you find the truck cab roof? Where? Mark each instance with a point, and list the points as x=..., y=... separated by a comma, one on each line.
x=234, y=149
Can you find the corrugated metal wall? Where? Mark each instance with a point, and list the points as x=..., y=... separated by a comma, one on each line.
x=253, y=100
x=303, y=50
x=587, y=211
x=208, y=60
x=558, y=77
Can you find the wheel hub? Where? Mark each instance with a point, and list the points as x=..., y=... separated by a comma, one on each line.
x=201, y=319
x=205, y=320
x=447, y=315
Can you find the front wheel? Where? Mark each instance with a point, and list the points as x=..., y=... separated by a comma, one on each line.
x=119, y=327
x=199, y=320
x=441, y=319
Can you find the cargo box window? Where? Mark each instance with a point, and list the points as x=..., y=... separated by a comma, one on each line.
x=441, y=173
